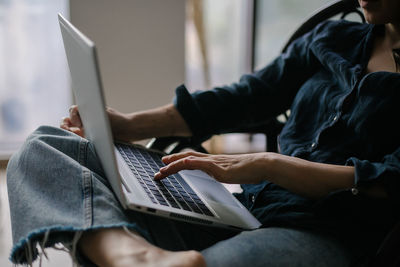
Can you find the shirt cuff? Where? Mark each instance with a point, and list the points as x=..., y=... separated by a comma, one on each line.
x=187, y=107
x=366, y=172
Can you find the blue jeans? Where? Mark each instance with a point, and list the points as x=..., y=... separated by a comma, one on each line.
x=57, y=191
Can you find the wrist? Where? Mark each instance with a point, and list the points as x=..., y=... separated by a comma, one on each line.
x=177, y=125
x=158, y=122
x=264, y=164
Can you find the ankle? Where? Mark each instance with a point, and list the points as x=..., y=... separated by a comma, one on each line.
x=196, y=258
x=105, y=247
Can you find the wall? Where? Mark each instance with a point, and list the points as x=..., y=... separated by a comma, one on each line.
x=140, y=46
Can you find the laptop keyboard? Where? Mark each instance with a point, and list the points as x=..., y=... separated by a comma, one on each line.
x=172, y=191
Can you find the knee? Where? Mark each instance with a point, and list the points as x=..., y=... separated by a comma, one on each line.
x=277, y=247
x=50, y=136
x=41, y=138
x=42, y=147
x=45, y=136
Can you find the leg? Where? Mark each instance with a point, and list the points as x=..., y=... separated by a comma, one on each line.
x=278, y=247
x=119, y=248
x=58, y=192
x=262, y=247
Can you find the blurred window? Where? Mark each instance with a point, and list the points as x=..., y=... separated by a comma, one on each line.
x=213, y=46
x=216, y=50
x=34, y=82
x=276, y=21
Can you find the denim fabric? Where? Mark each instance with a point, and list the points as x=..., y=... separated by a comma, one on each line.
x=57, y=190
x=339, y=115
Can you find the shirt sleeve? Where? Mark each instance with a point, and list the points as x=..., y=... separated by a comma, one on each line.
x=256, y=98
x=385, y=172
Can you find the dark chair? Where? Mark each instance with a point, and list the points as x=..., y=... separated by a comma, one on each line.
x=388, y=253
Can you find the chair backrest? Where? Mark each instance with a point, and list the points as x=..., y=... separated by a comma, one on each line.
x=341, y=8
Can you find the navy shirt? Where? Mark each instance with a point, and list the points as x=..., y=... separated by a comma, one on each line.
x=339, y=115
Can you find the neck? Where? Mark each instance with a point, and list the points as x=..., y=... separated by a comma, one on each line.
x=392, y=35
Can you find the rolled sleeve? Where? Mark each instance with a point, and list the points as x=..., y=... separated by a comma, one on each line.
x=386, y=172
x=191, y=113
x=255, y=98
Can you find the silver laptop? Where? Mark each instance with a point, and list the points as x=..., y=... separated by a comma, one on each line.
x=191, y=196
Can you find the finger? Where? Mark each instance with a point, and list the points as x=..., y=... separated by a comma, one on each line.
x=187, y=163
x=67, y=125
x=65, y=122
x=177, y=156
x=74, y=116
x=78, y=131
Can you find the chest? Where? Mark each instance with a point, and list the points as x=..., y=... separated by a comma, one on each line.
x=331, y=115
x=382, y=58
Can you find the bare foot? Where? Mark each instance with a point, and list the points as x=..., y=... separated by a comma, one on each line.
x=119, y=248
x=161, y=258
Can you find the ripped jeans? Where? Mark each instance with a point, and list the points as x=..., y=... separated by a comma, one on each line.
x=57, y=191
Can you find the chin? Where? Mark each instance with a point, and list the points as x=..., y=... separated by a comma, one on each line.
x=381, y=11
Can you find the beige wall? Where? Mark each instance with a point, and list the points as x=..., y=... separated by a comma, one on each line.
x=140, y=46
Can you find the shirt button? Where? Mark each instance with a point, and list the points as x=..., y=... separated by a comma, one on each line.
x=354, y=191
x=253, y=198
x=335, y=118
x=313, y=145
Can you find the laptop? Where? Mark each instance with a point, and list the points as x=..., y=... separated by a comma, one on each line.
x=190, y=195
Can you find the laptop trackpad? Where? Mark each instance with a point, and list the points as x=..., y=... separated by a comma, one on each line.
x=211, y=189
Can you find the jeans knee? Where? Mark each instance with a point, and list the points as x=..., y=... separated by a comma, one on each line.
x=42, y=139
x=42, y=148
x=52, y=136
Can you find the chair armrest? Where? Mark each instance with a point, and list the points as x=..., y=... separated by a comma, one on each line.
x=175, y=144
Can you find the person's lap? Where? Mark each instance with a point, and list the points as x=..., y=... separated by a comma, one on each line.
x=57, y=182
x=271, y=246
